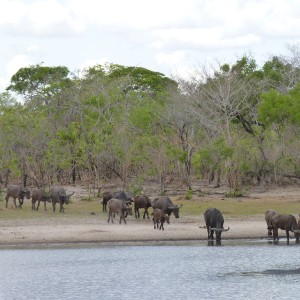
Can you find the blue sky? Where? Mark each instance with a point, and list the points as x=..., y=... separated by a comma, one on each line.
x=169, y=36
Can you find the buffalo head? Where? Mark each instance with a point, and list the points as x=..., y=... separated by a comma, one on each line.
x=175, y=210
x=218, y=232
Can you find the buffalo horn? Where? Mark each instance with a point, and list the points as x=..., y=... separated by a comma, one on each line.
x=219, y=229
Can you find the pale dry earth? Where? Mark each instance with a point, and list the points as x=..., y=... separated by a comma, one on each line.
x=94, y=229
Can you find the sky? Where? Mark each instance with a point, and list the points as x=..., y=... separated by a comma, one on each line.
x=173, y=37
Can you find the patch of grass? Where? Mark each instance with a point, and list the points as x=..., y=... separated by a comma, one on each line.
x=234, y=193
x=237, y=207
x=87, y=199
x=230, y=207
x=188, y=194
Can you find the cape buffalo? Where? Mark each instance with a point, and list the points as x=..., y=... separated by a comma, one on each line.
x=17, y=191
x=39, y=195
x=160, y=217
x=268, y=217
x=120, y=207
x=117, y=195
x=287, y=223
x=58, y=195
x=166, y=205
x=214, y=223
x=142, y=201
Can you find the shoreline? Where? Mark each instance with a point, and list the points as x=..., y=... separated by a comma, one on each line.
x=114, y=243
x=92, y=233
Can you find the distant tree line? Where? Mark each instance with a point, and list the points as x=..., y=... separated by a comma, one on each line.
x=235, y=124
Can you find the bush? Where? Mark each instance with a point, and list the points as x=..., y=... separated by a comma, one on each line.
x=188, y=194
x=234, y=193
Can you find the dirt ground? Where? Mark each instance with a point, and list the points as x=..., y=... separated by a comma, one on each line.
x=92, y=229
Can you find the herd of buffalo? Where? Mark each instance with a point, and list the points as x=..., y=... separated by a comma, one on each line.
x=120, y=203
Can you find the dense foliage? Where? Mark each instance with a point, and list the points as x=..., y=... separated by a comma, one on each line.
x=237, y=124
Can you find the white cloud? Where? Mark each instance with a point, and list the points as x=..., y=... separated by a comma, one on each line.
x=13, y=65
x=38, y=18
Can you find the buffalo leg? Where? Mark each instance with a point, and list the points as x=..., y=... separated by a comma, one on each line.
x=287, y=234
x=146, y=213
x=15, y=202
x=110, y=217
x=61, y=210
x=53, y=205
x=136, y=212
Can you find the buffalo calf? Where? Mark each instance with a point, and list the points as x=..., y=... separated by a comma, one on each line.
x=160, y=217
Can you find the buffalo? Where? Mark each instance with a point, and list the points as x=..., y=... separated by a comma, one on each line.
x=160, y=217
x=214, y=223
x=17, y=191
x=117, y=195
x=166, y=205
x=120, y=207
x=268, y=217
x=287, y=223
x=142, y=201
x=59, y=195
x=39, y=195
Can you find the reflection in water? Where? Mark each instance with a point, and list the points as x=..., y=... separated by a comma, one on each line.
x=273, y=272
x=286, y=242
x=214, y=243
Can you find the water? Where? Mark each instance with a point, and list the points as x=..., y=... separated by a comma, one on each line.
x=235, y=270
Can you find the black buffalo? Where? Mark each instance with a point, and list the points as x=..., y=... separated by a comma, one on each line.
x=39, y=195
x=214, y=223
x=141, y=201
x=166, y=205
x=59, y=195
x=287, y=223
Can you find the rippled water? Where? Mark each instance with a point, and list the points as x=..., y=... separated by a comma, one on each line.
x=235, y=270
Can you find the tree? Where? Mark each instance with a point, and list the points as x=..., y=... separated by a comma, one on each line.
x=38, y=84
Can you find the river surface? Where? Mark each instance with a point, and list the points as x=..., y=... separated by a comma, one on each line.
x=250, y=269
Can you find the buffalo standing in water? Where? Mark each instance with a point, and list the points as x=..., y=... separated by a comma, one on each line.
x=268, y=217
x=214, y=223
x=287, y=223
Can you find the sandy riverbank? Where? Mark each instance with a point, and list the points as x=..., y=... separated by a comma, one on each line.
x=94, y=231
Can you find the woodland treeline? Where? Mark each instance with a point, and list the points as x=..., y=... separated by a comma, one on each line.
x=235, y=124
